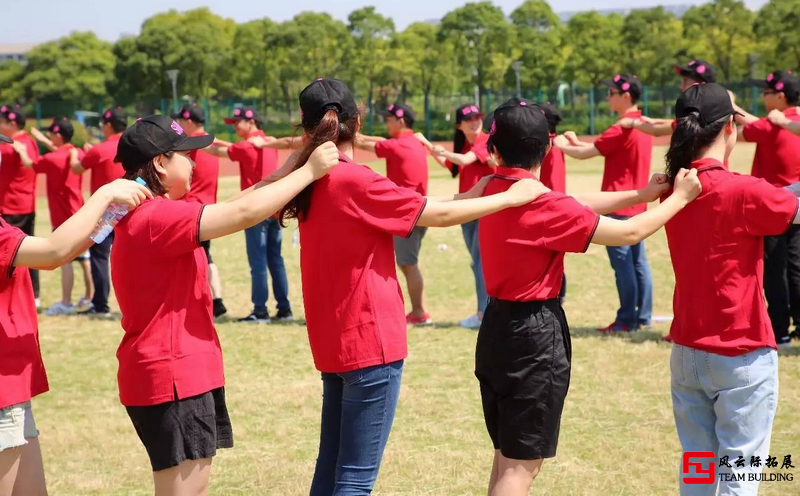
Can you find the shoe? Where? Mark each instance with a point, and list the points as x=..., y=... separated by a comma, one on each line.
x=284, y=316
x=59, y=308
x=643, y=327
x=38, y=303
x=615, y=327
x=785, y=344
x=424, y=320
x=85, y=303
x=219, y=308
x=256, y=318
x=95, y=314
x=795, y=334
x=471, y=322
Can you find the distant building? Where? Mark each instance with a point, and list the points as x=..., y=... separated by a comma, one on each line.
x=15, y=51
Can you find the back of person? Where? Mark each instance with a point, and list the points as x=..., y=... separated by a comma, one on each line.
x=406, y=161
x=346, y=247
x=205, y=178
x=777, y=156
x=628, y=153
x=717, y=245
x=17, y=182
x=160, y=276
x=64, y=195
x=539, y=233
x=472, y=173
x=100, y=160
x=254, y=163
x=553, y=173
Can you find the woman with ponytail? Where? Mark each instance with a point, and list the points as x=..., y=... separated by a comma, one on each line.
x=353, y=302
x=724, y=362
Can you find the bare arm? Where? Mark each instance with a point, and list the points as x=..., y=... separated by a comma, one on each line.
x=287, y=143
x=366, y=143
x=22, y=151
x=41, y=138
x=75, y=162
x=777, y=118
x=218, y=149
x=605, y=202
x=72, y=237
x=283, y=171
x=745, y=118
x=653, y=127
x=456, y=158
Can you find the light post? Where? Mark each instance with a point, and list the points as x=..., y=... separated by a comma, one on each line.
x=517, y=66
x=173, y=76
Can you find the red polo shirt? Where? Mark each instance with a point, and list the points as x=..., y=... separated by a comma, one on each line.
x=17, y=182
x=717, y=250
x=354, y=306
x=472, y=173
x=100, y=160
x=777, y=156
x=254, y=164
x=22, y=374
x=538, y=233
x=553, y=172
x=406, y=161
x=627, y=165
x=64, y=195
x=205, y=176
x=170, y=348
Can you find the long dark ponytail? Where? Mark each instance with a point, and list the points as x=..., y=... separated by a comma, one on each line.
x=328, y=129
x=459, y=139
x=688, y=140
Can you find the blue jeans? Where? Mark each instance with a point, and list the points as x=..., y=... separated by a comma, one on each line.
x=470, y=232
x=264, y=250
x=725, y=405
x=634, y=282
x=357, y=413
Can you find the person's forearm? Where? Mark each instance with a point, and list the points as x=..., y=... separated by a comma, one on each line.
x=283, y=171
x=366, y=145
x=580, y=152
x=219, y=151
x=605, y=202
x=612, y=232
x=458, y=158
x=451, y=213
x=654, y=127
x=745, y=118
x=26, y=160
x=791, y=126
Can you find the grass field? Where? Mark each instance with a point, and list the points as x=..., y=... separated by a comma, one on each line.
x=617, y=435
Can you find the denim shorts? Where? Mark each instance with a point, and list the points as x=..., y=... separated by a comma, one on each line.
x=17, y=426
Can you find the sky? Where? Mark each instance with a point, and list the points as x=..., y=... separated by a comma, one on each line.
x=110, y=19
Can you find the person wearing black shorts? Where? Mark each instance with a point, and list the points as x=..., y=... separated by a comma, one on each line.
x=523, y=353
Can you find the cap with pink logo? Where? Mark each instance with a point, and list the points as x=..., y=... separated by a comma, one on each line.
x=401, y=111
x=467, y=112
x=781, y=82
x=63, y=127
x=243, y=113
x=152, y=136
x=625, y=83
x=13, y=113
x=698, y=70
x=192, y=113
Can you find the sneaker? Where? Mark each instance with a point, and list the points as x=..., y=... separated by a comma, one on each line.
x=471, y=322
x=787, y=343
x=284, y=316
x=256, y=318
x=423, y=320
x=219, y=308
x=38, y=303
x=615, y=327
x=60, y=309
x=93, y=313
x=84, y=302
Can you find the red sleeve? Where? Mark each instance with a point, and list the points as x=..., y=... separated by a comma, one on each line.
x=480, y=150
x=43, y=164
x=611, y=139
x=241, y=151
x=558, y=222
x=382, y=204
x=10, y=241
x=91, y=159
x=384, y=148
x=767, y=210
x=175, y=227
x=757, y=131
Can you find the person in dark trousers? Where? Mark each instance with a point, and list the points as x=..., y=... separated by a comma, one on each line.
x=99, y=159
x=777, y=160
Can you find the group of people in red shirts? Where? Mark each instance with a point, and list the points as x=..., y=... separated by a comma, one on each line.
x=171, y=373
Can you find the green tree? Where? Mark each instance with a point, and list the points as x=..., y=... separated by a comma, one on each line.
x=74, y=68
x=11, y=73
x=253, y=66
x=777, y=26
x=722, y=33
x=595, y=46
x=484, y=41
x=539, y=36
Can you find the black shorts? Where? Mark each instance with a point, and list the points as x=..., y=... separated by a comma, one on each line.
x=207, y=248
x=24, y=222
x=522, y=362
x=188, y=429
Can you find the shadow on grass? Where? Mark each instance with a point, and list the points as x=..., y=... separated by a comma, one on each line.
x=636, y=337
x=225, y=319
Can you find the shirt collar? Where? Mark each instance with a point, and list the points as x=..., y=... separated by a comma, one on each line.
x=632, y=114
x=514, y=173
x=704, y=164
x=790, y=112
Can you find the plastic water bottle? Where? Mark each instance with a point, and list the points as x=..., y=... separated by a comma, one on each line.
x=111, y=217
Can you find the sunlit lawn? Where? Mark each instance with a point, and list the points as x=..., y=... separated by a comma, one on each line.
x=617, y=434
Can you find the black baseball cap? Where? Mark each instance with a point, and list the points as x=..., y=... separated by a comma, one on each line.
x=698, y=70
x=242, y=113
x=487, y=122
x=325, y=94
x=115, y=116
x=192, y=113
x=781, y=81
x=152, y=136
x=518, y=120
x=62, y=126
x=401, y=111
x=552, y=114
x=625, y=83
x=13, y=113
x=710, y=102
x=467, y=111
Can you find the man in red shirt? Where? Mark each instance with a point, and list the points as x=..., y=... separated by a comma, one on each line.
x=263, y=240
x=777, y=160
x=100, y=160
x=64, y=198
x=18, y=182
x=205, y=178
x=407, y=166
x=627, y=154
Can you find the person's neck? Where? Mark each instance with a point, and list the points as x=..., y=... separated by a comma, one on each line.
x=402, y=132
x=632, y=108
x=18, y=132
x=472, y=137
x=784, y=107
x=715, y=151
x=196, y=129
x=346, y=149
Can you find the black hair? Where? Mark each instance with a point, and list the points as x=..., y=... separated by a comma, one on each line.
x=527, y=154
x=149, y=174
x=793, y=98
x=688, y=140
x=552, y=127
x=117, y=126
